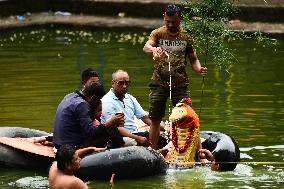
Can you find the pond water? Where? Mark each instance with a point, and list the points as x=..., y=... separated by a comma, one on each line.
x=40, y=65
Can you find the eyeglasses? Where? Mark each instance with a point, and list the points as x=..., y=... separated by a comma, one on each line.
x=122, y=82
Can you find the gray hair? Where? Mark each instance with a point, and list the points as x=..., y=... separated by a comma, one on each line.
x=116, y=72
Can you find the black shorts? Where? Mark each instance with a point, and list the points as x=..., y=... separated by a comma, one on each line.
x=158, y=99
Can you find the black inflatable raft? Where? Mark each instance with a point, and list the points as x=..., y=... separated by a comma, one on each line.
x=127, y=162
x=14, y=157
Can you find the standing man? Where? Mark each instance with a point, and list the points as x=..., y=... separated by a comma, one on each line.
x=169, y=46
x=73, y=124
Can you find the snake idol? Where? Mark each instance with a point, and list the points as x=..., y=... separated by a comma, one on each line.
x=185, y=133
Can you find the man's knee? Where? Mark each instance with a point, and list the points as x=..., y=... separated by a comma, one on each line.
x=179, y=94
x=115, y=137
x=156, y=122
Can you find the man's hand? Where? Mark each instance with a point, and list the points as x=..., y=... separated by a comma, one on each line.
x=203, y=71
x=117, y=119
x=98, y=149
x=83, y=151
x=142, y=141
x=157, y=52
x=205, y=154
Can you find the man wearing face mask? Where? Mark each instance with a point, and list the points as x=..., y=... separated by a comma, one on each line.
x=73, y=123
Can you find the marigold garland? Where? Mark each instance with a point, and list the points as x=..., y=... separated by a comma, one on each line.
x=184, y=147
x=194, y=123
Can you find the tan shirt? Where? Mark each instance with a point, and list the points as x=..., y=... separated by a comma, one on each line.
x=177, y=47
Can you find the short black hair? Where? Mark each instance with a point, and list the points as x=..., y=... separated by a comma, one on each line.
x=64, y=155
x=94, y=88
x=172, y=9
x=227, y=160
x=87, y=74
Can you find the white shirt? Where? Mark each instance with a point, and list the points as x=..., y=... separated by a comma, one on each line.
x=129, y=106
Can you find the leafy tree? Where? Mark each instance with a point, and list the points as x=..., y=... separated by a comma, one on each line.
x=206, y=21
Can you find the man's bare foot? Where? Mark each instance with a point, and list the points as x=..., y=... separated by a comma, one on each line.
x=163, y=151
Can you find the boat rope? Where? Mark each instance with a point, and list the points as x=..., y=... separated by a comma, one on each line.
x=170, y=82
x=203, y=81
x=201, y=98
x=241, y=162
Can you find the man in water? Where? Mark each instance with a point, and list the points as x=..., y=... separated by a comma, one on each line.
x=169, y=45
x=67, y=162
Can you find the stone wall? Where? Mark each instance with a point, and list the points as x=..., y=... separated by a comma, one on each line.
x=256, y=10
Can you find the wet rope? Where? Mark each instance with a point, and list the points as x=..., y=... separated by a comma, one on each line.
x=201, y=98
x=170, y=83
x=241, y=162
x=203, y=81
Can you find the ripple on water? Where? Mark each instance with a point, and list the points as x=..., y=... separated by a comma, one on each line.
x=31, y=182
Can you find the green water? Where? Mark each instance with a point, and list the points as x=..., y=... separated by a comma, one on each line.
x=39, y=66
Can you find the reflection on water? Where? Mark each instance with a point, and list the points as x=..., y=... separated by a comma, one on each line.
x=39, y=66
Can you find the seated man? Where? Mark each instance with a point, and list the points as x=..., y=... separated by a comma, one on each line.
x=73, y=123
x=96, y=115
x=67, y=162
x=118, y=101
x=88, y=75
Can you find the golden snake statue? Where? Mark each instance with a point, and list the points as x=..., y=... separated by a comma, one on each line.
x=185, y=133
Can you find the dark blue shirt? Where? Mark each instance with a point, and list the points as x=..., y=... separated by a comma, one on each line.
x=73, y=122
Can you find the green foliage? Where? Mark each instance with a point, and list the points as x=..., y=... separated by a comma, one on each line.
x=212, y=9
x=261, y=39
x=205, y=22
